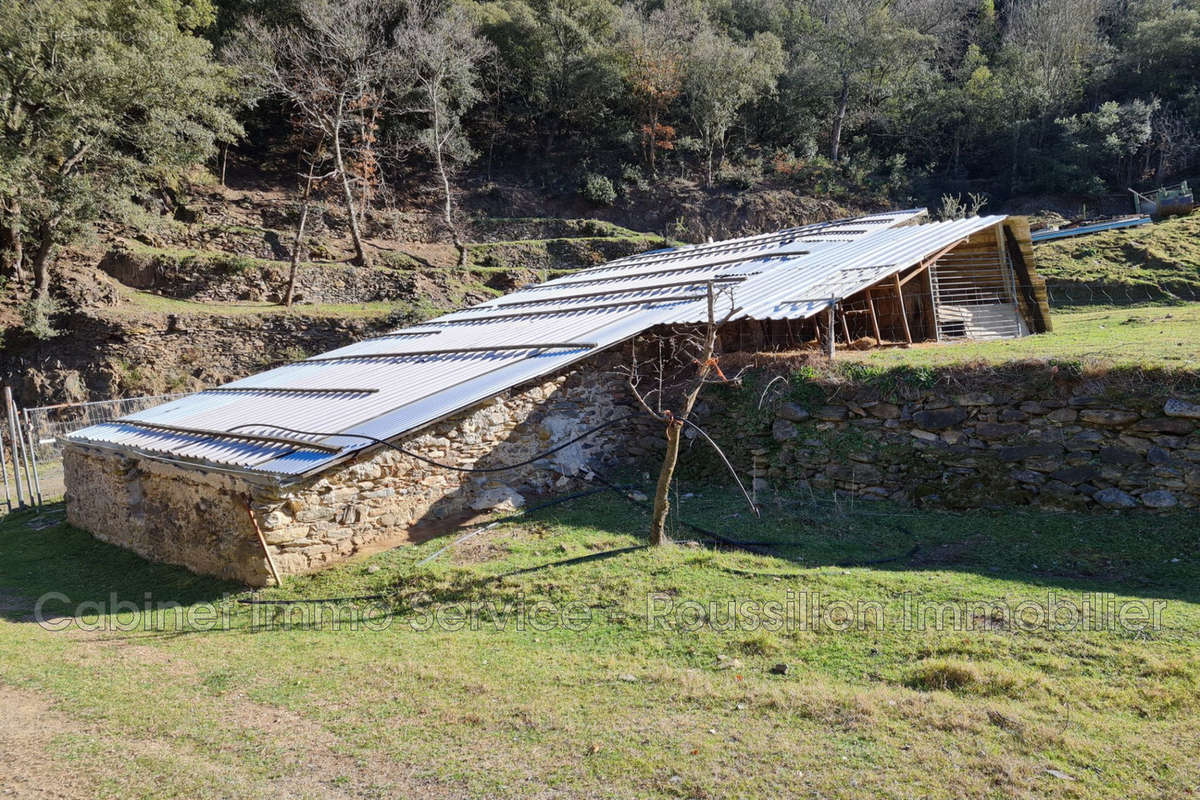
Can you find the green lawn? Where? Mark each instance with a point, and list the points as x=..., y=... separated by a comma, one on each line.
x=631, y=680
x=1147, y=336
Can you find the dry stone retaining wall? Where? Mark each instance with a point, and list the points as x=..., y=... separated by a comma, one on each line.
x=978, y=450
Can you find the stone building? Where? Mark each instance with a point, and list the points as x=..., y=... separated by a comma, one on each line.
x=293, y=469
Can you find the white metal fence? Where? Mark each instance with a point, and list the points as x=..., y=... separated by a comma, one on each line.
x=32, y=452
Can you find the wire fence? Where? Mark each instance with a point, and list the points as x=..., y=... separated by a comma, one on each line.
x=1064, y=294
x=32, y=450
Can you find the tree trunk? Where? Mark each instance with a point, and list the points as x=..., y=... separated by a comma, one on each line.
x=447, y=198
x=289, y=294
x=360, y=254
x=448, y=209
x=652, y=141
x=41, y=261
x=662, y=500
x=840, y=118
x=14, y=260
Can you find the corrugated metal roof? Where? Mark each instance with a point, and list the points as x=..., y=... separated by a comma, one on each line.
x=402, y=381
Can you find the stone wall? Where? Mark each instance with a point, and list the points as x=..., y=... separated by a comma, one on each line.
x=165, y=513
x=199, y=520
x=975, y=449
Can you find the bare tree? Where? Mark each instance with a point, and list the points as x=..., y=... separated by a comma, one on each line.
x=310, y=180
x=1176, y=142
x=1060, y=41
x=673, y=378
x=336, y=68
x=442, y=45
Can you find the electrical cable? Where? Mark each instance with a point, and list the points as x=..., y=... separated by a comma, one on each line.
x=732, y=471
x=711, y=536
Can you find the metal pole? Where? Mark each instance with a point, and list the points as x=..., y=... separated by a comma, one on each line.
x=4, y=471
x=12, y=441
x=32, y=444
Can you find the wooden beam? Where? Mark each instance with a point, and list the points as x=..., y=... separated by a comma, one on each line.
x=919, y=270
x=903, y=311
x=927, y=263
x=932, y=315
x=845, y=326
x=874, y=319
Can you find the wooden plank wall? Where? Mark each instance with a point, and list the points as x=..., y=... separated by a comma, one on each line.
x=1031, y=287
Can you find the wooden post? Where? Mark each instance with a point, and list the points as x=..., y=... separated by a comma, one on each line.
x=932, y=315
x=903, y=310
x=874, y=319
x=31, y=443
x=4, y=471
x=13, y=439
x=829, y=332
x=845, y=326
x=263, y=542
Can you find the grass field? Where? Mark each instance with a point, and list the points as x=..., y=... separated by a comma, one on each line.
x=628, y=677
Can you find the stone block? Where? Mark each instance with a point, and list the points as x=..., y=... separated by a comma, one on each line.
x=1022, y=452
x=1119, y=455
x=783, y=430
x=501, y=498
x=998, y=430
x=1114, y=498
x=1157, y=456
x=793, y=412
x=1159, y=498
x=1063, y=416
x=315, y=514
x=939, y=419
x=1174, y=407
x=884, y=411
x=974, y=399
x=1074, y=475
x=1109, y=417
x=830, y=413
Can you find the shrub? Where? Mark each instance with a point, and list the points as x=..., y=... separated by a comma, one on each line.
x=742, y=176
x=598, y=189
x=632, y=175
x=36, y=317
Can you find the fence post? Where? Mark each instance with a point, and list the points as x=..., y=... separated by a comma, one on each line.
x=13, y=440
x=4, y=471
x=31, y=443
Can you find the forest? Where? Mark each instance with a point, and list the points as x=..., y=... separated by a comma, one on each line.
x=107, y=103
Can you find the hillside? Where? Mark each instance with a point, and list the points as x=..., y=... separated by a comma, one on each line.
x=1157, y=263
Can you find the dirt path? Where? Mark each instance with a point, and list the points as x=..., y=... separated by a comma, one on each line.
x=311, y=761
x=28, y=768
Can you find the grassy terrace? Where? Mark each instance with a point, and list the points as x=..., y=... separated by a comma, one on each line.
x=1155, y=262
x=1146, y=336
x=655, y=693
